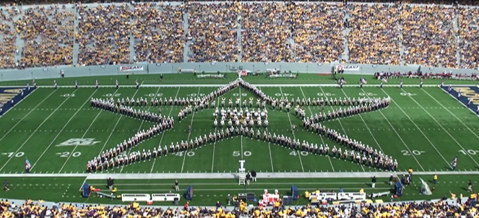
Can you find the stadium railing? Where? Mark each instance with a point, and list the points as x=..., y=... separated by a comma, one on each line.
x=146, y=68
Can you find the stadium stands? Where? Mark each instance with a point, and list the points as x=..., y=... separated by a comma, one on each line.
x=364, y=33
x=47, y=32
x=104, y=33
x=8, y=38
x=374, y=37
x=265, y=32
x=429, y=35
x=406, y=209
x=159, y=33
x=213, y=30
x=468, y=20
x=318, y=32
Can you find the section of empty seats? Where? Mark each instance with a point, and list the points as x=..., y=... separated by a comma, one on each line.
x=135, y=197
x=165, y=197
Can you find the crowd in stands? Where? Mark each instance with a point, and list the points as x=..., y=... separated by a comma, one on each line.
x=213, y=31
x=318, y=32
x=468, y=21
x=268, y=32
x=104, y=33
x=159, y=33
x=47, y=32
x=8, y=38
x=429, y=36
x=401, y=209
x=266, y=29
x=374, y=37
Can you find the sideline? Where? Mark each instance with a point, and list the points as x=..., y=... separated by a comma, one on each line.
x=286, y=175
x=258, y=85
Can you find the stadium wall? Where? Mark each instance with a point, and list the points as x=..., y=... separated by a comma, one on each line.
x=165, y=68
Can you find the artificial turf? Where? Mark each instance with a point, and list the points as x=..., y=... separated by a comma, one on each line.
x=423, y=129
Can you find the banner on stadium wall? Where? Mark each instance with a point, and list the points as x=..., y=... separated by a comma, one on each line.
x=243, y=72
x=347, y=68
x=131, y=68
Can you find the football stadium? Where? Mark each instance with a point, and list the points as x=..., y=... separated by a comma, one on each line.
x=239, y=109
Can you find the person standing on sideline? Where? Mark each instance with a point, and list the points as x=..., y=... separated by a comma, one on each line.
x=469, y=187
x=373, y=182
x=248, y=178
x=5, y=186
x=410, y=171
x=109, y=183
x=434, y=179
x=253, y=175
x=177, y=187
x=391, y=179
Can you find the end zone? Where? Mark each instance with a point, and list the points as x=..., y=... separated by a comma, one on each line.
x=466, y=95
x=11, y=96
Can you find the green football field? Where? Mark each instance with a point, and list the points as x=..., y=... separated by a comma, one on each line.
x=58, y=131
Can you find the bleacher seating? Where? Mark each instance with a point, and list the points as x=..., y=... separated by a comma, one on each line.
x=441, y=208
x=98, y=34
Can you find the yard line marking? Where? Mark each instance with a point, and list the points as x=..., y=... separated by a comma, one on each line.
x=163, y=134
x=467, y=127
x=33, y=133
x=84, y=134
x=61, y=130
x=116, y=124
x=339, y=121
x=394, y=129
x=82, y=184
x=321, y=137
x=447, y=132
x=365, y=124
x=141, y=124
x=13, y=108
x=291, y=126
x=189, y=134
x=214, y=144
x=241, y=140
x=269, y=149
x=35, y=108
x=417, y=127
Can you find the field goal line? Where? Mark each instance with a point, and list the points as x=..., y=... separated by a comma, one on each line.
x=258, y=85
x=233, y=175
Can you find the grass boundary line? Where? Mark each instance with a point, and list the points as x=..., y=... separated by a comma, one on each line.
x=257, y=85
x=285, y=175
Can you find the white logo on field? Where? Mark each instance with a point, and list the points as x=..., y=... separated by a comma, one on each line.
x=79, y=142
